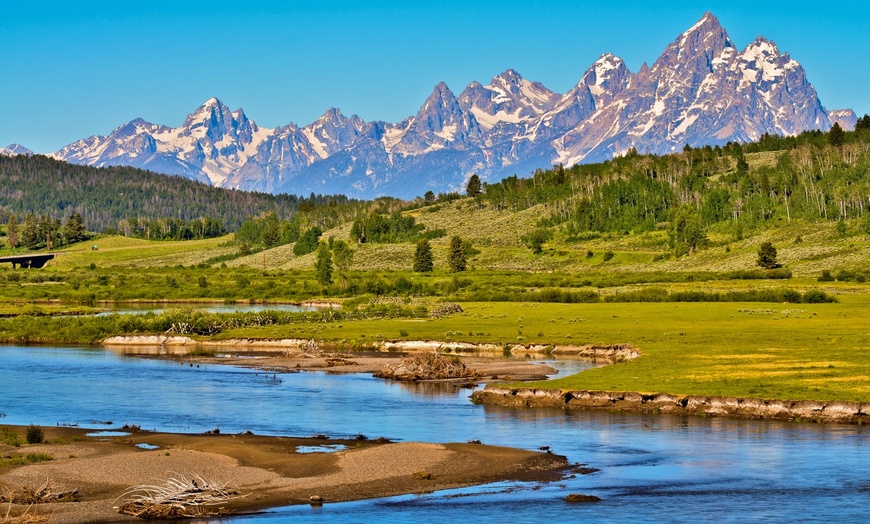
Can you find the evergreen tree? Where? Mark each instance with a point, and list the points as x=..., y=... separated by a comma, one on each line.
x=473, y=187
x=44, y=227
x=429, y=197
x=74, y=230
x=30, y=233
x=456, y=257
x=323, y=266
x=343, y=255
x=767, y=256
x=742, y=164
x=12, y=231
x=836, y=136
x=271, y=230
x=423, y=257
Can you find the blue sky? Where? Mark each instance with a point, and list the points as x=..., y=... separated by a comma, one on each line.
x=75, y=69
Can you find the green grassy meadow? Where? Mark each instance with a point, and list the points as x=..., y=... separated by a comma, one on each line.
x=746, y=349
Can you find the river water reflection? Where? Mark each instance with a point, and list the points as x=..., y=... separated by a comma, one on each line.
x=653, y=468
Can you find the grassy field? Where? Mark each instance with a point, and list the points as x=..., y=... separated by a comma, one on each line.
x=805, y=351
x=767, y=350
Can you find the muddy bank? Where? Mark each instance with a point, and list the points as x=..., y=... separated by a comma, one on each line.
x=749, y=408
x=265, y=471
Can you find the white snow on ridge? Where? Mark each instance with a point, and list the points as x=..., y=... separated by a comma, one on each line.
x=316, y=144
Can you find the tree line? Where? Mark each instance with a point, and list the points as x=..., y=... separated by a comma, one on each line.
x=128, y=200
x=43, y=231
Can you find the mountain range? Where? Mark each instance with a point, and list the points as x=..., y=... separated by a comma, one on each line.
x=702, y=90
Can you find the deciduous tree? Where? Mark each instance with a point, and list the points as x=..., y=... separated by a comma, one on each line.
x=343, y=255
x=686, y=233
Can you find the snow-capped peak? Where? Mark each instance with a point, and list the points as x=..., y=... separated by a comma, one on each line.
x=704, y=25
x=761, y=49
x=700, y=90
x=15, y=149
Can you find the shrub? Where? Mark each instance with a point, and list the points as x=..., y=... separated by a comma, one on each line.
x=815, y=296
x=843, y=275
x=608, y=256
x=826, y=276
x=34, y=435
x=9, y=437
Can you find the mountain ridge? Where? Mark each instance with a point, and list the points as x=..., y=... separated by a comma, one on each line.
x=702, y=90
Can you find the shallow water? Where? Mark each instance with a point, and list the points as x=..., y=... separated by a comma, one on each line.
x=139, y=308
x=653, y=468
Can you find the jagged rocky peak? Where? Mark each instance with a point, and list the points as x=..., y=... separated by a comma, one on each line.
x=701, y=90
x=333, y=131
x=606, y=78
x=514, y=88
x=440, y=110
x=213, y=119
x=509, y=98
x=441, y=97
x=695, y=50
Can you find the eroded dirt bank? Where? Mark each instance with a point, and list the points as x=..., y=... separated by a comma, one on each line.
x=749, y=408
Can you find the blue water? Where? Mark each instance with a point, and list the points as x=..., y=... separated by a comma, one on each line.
x=652, y=468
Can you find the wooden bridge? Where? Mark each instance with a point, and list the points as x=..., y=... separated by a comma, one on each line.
x=28, y=261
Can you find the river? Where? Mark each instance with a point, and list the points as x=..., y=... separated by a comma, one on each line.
x=652, y=468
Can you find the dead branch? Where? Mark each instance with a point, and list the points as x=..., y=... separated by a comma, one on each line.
x=177, y=497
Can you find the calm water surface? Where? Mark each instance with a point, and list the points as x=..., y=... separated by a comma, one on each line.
x=653, y=468
x=134, y=308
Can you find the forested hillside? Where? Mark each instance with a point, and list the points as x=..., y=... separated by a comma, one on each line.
x=112, y=198
x=814, y=176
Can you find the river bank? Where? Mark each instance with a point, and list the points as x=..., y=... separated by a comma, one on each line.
x=664, y=403
x=265, y=471
x=288, y=355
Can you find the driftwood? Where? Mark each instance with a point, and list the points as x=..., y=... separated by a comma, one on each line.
x=427, y=366
x=24, y=518
x=41, y=495
x=176, y=498
x=444, y=309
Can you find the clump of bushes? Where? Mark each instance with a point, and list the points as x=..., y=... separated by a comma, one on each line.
x=813, y=296
x=34, y=435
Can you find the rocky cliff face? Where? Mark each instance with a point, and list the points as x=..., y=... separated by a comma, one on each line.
x=701, y=90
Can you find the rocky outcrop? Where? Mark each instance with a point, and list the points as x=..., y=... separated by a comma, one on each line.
x=665, y=403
